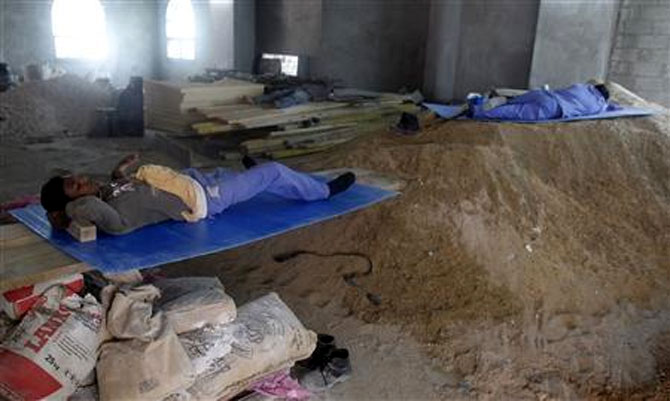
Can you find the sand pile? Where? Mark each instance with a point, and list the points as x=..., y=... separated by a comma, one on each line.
x=54, y=108
x=531, y=261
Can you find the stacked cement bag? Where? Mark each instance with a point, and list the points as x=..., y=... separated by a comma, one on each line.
x=266, y=337
x=144, y=360
x=52, y=351
x=174, y=340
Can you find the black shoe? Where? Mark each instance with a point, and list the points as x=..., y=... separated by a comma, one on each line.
x=336, y=370
x=325, y=344
x=248, y=162
x=341, y=183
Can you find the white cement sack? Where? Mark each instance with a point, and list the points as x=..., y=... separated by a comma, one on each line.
x=52, y=351
x=150, y=362
x=205, y=345
x=88, y=393
x=193, y=302
x=265, y=337
x=143, y=370
x=130, y=315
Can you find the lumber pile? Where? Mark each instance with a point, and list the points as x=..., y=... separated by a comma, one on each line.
x=172, y=106
x=299, y=141
x=309, y=129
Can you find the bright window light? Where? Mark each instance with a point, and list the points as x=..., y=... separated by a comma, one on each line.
x=78, y=28
x=180, y=30
x=289, y=64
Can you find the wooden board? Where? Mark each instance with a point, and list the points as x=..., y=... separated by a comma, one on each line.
x=26, y=258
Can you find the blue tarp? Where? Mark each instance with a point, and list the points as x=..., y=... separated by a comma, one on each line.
x=261, y=217
x=451, y=112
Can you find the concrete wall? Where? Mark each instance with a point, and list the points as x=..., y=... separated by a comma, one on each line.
x=244, y=32
x=289, y=26
x=374, y=44
x=27, y=38
x=475, y=45
x=444, y=30
x=371, y=44
x=641, y=55
x=573, y=41
x=495, y=44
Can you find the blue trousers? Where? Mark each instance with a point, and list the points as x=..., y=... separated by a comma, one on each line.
x=225, y=188
x=535, y=105
x=539, y=104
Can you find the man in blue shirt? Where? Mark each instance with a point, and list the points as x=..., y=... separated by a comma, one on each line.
x=543, y=104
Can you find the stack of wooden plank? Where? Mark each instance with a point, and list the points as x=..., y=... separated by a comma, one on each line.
x=233, y=118
x=299, y=136
x=173, y=107
x=299, y=141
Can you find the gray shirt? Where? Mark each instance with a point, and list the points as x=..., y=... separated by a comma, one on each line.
x=125, y=205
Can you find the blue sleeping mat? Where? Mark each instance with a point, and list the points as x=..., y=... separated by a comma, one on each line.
x=261, y=217
x=451, y=112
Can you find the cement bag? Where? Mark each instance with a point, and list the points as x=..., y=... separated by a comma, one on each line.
x=150, y=363
x=143, y=370
x=52, y=351
x=193, y=302
x=130, y=314
x=266, y=337
x=18, y=301
x=88, y=393
x=205, y=345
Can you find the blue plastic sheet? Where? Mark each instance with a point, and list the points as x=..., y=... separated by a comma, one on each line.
x=451, y=112
x=261, y=217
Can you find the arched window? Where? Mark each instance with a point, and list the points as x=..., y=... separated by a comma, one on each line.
x=180, y=30
x=78, y=28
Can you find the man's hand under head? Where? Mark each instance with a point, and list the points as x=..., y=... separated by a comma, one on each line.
x=121, y=169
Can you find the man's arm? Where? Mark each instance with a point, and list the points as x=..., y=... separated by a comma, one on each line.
x=94, y=210
x=121, y=169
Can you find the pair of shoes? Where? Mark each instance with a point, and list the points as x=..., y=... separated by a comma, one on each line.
x=327, y=366
x=325, y=343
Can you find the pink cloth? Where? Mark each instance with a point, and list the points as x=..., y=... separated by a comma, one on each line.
x=281, y=384
x=20, y=202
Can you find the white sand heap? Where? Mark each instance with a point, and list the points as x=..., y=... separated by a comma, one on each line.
x=62, y=106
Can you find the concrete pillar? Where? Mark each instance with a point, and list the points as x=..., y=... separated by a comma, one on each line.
x=573, y=41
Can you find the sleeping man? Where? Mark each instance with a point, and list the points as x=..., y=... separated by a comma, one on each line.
x=543, y=104
x=157, y=193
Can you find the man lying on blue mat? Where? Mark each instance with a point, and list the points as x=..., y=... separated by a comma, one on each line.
x=157, y=193
x=543, y=104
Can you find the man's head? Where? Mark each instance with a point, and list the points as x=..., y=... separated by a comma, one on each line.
x=603, y=90
x=58, y=191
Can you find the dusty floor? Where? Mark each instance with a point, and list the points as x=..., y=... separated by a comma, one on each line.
x=520, y=263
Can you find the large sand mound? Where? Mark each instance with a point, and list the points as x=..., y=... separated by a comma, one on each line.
x=531, y=261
